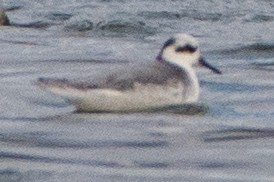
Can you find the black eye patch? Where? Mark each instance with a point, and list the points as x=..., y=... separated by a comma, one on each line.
x=186, y=48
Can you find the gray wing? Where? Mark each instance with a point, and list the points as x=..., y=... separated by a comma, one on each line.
x=153, y=73
x=122, y=79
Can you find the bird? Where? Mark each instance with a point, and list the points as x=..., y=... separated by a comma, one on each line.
x=168, y=80
x=4, y=21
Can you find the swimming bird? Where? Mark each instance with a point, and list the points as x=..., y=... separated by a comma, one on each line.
x=169, y=80
x=4, y=21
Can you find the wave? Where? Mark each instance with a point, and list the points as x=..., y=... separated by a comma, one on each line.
x=81, y=25
x=125, y=27
x=58, y=16
x=181, y=109
x=257, y=47
x=42, y=139
x=190, y=14
x=234, y=134
x=255, y=51
x=259, y=18
x=110, y=27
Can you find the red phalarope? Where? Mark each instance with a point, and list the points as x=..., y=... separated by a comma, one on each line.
x=169, y=80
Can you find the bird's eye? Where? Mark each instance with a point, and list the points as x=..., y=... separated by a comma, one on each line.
x=186, y=48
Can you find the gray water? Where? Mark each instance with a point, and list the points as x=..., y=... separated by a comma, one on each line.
x=42, y=138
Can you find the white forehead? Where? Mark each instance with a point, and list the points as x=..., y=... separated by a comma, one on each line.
x=183, y=39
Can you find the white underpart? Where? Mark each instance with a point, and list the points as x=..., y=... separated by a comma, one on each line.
x=140, y=98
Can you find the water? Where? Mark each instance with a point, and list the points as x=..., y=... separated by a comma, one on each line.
x=43, y=139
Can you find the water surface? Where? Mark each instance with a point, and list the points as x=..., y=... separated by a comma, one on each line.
x=42, y=138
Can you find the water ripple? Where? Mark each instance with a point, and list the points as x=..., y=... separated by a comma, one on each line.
x=41, y=141
x=160, y=15
x=17, y=156
x=256, y=47
x=79, y=25
x=234, y=87
x=259, y=18
x=57, y=16
x=9, y=175
x=126, y=28
x=237, y=134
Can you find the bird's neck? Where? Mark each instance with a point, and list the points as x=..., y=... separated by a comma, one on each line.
x=192, y=84
x=189, y=79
